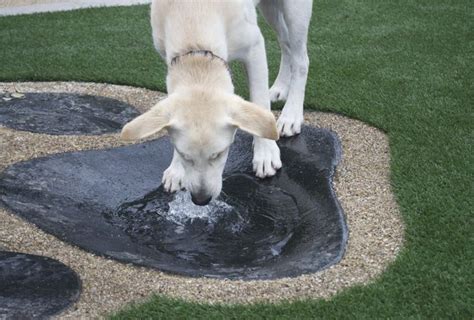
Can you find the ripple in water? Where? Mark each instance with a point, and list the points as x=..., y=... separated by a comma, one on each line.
x=247, y=226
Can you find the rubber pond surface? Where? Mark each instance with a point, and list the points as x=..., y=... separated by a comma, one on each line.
x=35, y=287
x=64, y=113
x=110, y=202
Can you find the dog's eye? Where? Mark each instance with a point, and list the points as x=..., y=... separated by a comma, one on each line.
x=185, y=157
x=189, y=160
x=216, y=155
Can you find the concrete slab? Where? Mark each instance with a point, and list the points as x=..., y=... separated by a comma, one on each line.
x=17, y=7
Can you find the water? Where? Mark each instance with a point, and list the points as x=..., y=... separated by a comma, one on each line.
x=278, y=247
x=248, y=225
x=183, y=210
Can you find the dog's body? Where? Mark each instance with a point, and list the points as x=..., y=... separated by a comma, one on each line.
x=196, y=38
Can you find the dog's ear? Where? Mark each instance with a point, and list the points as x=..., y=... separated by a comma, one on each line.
x=253, y=119
x=151, y=122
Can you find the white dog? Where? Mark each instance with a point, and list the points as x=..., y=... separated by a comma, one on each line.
x=201, y=114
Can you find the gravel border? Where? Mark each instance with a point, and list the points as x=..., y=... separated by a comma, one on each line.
x=362, y=183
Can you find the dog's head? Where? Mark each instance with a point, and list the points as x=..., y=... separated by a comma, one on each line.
x=202, y=128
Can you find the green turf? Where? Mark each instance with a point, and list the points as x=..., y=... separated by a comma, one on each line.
x=403, y=66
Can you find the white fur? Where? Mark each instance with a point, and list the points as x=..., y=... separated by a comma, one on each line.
x=202, y=103
x=290, y=19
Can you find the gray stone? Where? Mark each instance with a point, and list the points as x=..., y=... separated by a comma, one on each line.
x=35, y=287
x=64, y=113
x=110, y=202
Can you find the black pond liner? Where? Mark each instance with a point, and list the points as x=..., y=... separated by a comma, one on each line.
x=65, y=113
x=110, y=202
x=35, y=287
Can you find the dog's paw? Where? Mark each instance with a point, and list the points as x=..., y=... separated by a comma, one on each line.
x=289, y=124
x=266, y=158
x=278, y=92
x=173, y=177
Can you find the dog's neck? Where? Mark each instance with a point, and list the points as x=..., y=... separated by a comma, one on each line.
x=199, y=69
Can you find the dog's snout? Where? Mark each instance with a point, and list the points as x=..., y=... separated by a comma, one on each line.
x=200, y=199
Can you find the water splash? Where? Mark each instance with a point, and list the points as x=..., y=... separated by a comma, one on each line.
x=183, y=210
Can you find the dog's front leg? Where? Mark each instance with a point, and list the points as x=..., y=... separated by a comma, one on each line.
x=266, y=154
x=173, y=177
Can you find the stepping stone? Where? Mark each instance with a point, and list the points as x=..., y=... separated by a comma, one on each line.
x=110, y=202
x=64, y=113
x=35, y=287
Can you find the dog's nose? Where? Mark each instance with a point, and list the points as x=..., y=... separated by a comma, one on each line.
x=200, y=200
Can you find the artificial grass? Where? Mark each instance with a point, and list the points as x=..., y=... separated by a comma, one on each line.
x=403, y=66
